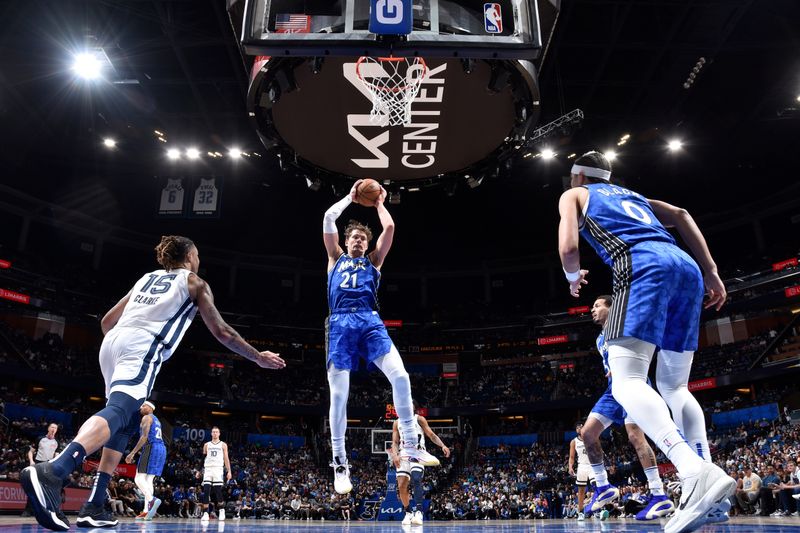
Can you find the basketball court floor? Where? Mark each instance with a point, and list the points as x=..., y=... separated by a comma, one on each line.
x=735, y=525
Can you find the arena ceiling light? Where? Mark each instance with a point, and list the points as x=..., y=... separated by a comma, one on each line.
x=192, y=153
x=547, y=153
x=174, y=153
x=108, y=142
x=234, y=153
x=87, y=65
x=611, y=155
x=674, y=145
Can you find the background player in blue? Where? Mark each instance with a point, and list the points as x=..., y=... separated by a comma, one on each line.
x=658, y=293
x=140, y=333
x=608, y=411
x=151, y=462
x=354, y=330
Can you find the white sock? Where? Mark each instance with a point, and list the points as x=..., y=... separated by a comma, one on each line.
x=629, y=360
x=339, y=384
x=654, y=481
x=672, y=378
x=600, y=474
x=391, y=365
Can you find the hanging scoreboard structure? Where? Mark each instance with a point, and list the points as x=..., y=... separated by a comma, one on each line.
x=474, y=79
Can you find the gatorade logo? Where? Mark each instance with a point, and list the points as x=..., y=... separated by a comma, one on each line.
x=389, y=11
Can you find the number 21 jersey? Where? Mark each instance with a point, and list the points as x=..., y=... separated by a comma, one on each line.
x=353, y=284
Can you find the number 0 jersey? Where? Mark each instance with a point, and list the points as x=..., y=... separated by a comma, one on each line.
x=615, y=219
x=353, y=284
x=160, y=304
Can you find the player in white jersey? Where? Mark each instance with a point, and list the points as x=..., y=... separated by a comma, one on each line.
x=141, y=332
x=409, y=470
x=583, y=476
x=216, y=453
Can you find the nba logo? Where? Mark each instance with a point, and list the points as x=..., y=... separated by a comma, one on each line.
x=493, y=18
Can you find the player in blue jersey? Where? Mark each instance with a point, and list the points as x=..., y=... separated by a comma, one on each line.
x=658, y=296
x=140, y=333
x=151, y=462
x=608, y=411
x=355, y=331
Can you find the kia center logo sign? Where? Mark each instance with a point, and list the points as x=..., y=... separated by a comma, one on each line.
x=456, y=122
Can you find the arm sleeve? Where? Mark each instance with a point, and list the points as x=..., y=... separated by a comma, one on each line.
x=333, y=212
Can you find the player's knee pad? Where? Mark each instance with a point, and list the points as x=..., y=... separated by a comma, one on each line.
x=140, y=479
x=206, y=492
x=217, y=493
x=119, y=410
x=118, y=407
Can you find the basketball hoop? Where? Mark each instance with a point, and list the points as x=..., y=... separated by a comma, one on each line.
x=393, y=83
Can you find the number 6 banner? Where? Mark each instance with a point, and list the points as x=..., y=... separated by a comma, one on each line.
x=206, y=197
x=172, y=198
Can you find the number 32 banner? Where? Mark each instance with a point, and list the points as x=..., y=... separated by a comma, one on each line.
x=200, y=196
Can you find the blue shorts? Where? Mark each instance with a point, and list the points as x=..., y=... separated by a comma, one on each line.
x=152, y=459
x=610, y=409
x=658, y=297
x=350, y=337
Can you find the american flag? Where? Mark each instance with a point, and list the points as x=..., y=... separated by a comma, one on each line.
x=292, y=23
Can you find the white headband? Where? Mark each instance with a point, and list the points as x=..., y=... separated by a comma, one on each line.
x=591, y=171
x=150, y=404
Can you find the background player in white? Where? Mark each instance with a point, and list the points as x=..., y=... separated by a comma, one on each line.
x=141, y=332
x=583, y=476
x=658, y=297
x=216, y=453
x=410, y=472
x=355, y=331
x=608, y=411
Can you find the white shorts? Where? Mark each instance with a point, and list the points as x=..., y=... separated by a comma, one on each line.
x=406, y=467
x=584, y=475
x=130, y=359
x=212, y=475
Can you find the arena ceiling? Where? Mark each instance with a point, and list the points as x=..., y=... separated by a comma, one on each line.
x=175, y=68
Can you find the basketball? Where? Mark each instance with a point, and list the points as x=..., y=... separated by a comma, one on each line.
x=367, y=192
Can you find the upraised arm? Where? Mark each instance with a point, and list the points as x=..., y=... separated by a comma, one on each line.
x=385, y=239
x=330, y=233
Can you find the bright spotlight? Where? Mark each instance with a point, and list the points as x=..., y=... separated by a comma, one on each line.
x=174, y=153
x=192, y=153
x=234, y=153
x=87, y=66
x=108, y=142
x=610, y=155
x=798, y=97
x=674, y=145
x=547, y=153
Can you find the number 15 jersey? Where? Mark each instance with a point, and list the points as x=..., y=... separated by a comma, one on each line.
x=159, y=303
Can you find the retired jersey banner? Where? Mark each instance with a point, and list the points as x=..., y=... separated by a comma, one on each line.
x=553, y=339
x=205, y=199
x=173, y=198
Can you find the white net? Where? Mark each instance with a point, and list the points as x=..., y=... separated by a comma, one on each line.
x=393, y=83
